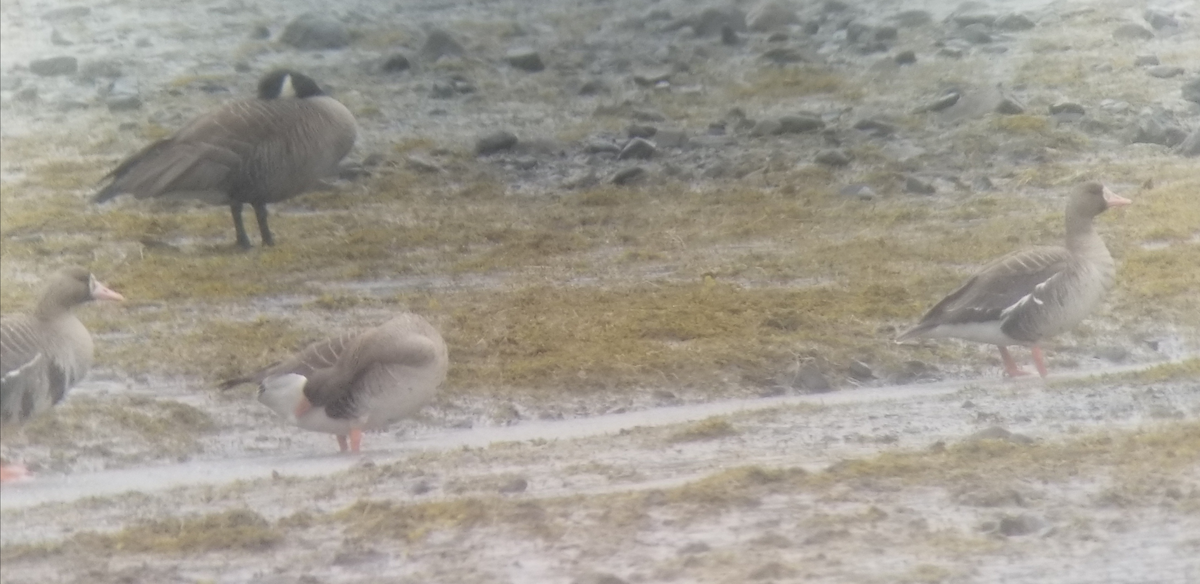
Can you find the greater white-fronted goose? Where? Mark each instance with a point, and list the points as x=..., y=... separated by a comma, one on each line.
x=44, y=354
x=1030, y=295
x=254, y=152
x=358, y=381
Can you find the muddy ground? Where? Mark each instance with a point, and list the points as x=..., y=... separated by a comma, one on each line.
x=685, y=375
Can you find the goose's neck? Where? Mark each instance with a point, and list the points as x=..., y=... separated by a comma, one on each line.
x=1083, y=241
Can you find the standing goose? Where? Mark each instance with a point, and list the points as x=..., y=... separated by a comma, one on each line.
x=357, y=381
x=254, y=151
x=42, y=355
x=1030, y=295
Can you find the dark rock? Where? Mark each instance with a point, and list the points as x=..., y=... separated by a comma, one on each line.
x=1190, y=147
x=811, y=27
x=671, y=138
x=440, y=44
x=912, y=18
x=835, y=6
x=592, y=87
x=778, y=37
x=729, y=36
x=1159, y=19
x=799, y=124
x=1024, y=524
x=976, y=34
x=1066, y=107
x=832, y=157
x=396, y=64
x=495, y=142
x=1191, y=90
x=913, y=184
x=1009, y=106
x=54, y=66
x=637, y=148
x=315, y=32
x=940, y=103
x=598, y=578
x=907, y=57
x=860, y=371
x=970, y=13
x=873, y=47
x=1158, y=128
x=770, y=15
x=1014, y=22
x=1145, y=60
x=1132, y=32
x=420, y=487
x=517, y=485
x=951, y=52
x=651, y=78
x=1165, y=71
x=260, y=33
x=785, y=55
x=771, y=571
x=857, y=31
x=998, y=433
x=601, y=148
x=766, y=127
x=123, y=95
x=525, y=59
x=640, y=131
x=712, y=20
x=810, y=379
x=876, y=127
x=886, y=33
x=629, y=176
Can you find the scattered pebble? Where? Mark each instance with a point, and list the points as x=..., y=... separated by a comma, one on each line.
x=832, y=157
x=525, y=59
x=495, y=142
x=628, y=176
x=1164, y=71
x=314, y=31
x=440, y=44
x=637, y=148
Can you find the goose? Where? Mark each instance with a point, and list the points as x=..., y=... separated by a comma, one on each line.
x=44, y=354
x=1030, y=295
x=249, y=152
x=356, y=382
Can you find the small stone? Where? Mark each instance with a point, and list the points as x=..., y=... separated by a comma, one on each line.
x=886, y=33
x=998, y=433
x=913, y=184
x=766, y=127
x=99, y=69
x=729, y=36
x=810, y=379
x=517, y=485
x=1145, y=60
x=913, y=18
x=940, y=103
x=592, y=87
x=651, y=78
x=1131, y=31
x=858, y=191
x=1158, y=129
x=770, y=15
x=976, y=34
x=525, y=59
x=835, y=6
x=875, y=126
x=396, y=64
x=1114, y=353
x=123, y=95
x=799, y=124
x=713, y=20
x=907, y=57
x=784, y=55
x=260, y=33
x=771, y=571
x=495, y=142
x=778, y=37
x=1014, y=22
x=970, y=13
x=637, y=148
x=1024, y=524
x=1165, y=71
x=641, y=131
x=1159, y=19
x=628, y=176
x=598, y=147
x=440, y=44
x=1191, y=90
x=832, y=157
x=860, y=371
x=811, y=27
x=313, y=31
x=1009, y=106
x=1066, y=107
x=856, y=31
x=54, y=66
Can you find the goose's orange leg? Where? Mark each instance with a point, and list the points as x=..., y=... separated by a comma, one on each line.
x=1039, y=361
x=1010, y=366
x=355, y=439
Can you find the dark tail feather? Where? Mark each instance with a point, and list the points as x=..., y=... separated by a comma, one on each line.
x=913, y=333
x=232, y=383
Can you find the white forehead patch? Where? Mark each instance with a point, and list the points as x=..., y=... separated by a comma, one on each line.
x=286, y=89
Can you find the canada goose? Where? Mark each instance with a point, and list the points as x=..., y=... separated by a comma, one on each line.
x=254, y=151
x=44, y=354
x=357, y=381
x=1030, y=295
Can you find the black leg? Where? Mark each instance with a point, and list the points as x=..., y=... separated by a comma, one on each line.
x=260, y=213
x=243, y=240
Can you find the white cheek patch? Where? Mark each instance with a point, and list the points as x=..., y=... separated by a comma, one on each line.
x=287, y=89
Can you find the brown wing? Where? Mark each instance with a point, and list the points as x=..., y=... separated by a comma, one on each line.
x=30, y=380
x=319, y=355
x=989, y=294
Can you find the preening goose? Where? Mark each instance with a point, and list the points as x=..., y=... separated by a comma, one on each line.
x=254, y=152
x=357, y=381
x=42, y=355
x=1027, y=296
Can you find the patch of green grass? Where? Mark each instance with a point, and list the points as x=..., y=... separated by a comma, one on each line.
x=168, y=427
x=791, y=82
x=710, y=429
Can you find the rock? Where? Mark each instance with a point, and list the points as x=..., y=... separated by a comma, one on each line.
x=592, y=87
x=1191, y=90
x=1157, y=128
x=1009, y=106
x=785, y=55
x=799, y=124
x=835, y=6
x=312, y=31
x=27, y=95
x=998, y=433
x=123, y=95
x=729, y=36
x=1014, y=22
x=859, y=191
x=875, y=126
x=873, y=47
x=598, y=147
x=770, y=15
x=856, y=31
x=525, y=59
x=1165, y=71
x=810, y=379
x=260, y=33
x=907, y=57
x=1132, y=32
x=1159, y=19
x=495, y=142
x=969, y=13
x=456, y=85
x=99, y=69
x=778, y=37
x=912, y=18
x=832, y=157
x=940, y=103
x=440, y=44
x=712, y=20
x=517, y=485
x=766, y=127
x=951, y=52
x=976, y=34
x=58, y=40
x=1113, y=353
x=598, y=578
x=421, y=164
x=1190, y=147
x=913, y=184
x=1066, y=107
x=860, y=371
x=886, y=33
x=54, y=66
x=1145, y=60
x=637, y=148
x=628, y=176
x=1024, y=524
x=640, y=131
x=396, y=64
